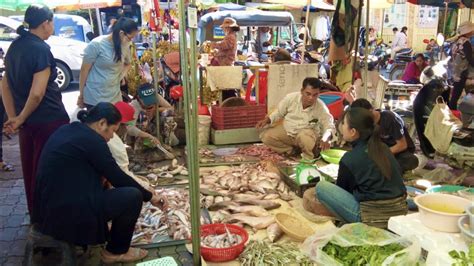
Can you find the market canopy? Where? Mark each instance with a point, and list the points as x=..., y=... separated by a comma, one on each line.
x=441, y=3
x=86, y=4
x=297, y=4
x=231, y=6
x=22, y=5
x=244, y=18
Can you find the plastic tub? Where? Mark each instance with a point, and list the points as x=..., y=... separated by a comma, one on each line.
x=434, y=213
x=332, y=155
x=334, y=101
x=467, y=235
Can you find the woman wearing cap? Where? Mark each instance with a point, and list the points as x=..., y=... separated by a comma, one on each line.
x=31, y=97
x=106, y=61
x=462, y=61
x=71, y=204
x=227, y=48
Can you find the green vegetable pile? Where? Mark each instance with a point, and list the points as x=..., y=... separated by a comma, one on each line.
x=461, y=259
x=258, y=253
x=361, y=255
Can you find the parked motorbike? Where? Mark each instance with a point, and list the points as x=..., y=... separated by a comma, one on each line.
x=396, y=67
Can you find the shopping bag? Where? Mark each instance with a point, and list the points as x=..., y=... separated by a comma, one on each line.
x=358, y=234
x=440, y=126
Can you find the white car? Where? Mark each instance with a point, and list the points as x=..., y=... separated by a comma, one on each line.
x=67, y=52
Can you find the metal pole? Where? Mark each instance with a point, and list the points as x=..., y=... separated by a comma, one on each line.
x=91, y=20
x=356, y=48
x=383, y=18
x=445, y=17
x=190, y=85
x=155, y=83
x=169, y=22
x=305, y=38
x=366, y=72
x=99, y=21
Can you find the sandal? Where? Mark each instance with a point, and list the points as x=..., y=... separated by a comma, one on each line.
x=6, y=167
x=133, y=254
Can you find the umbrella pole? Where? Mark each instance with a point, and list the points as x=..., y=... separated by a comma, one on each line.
x=155, y=83
x=366, y=71
x=99, y=21
x=381, y=29
x=190, y=85
x=305, y=38
x=91, y=20
x=445, y=17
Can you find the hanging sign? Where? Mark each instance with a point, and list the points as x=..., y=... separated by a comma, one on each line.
x=428, y=16
x=218, y=32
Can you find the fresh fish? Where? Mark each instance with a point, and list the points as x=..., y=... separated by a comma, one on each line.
x=209, y=200
x=218, y=199
x=256, y=223
x=274, y=232
x=271, y=196
x=256, y=211
x=266, y=204
x=222, y=205
x=238, y=197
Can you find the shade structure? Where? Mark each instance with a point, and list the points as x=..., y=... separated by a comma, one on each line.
x=315, y=4
x=86, y=4
x=22, y=5
x=231, y=6
x=440, y=3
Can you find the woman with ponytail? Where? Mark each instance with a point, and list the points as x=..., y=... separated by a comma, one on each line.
x=106, y=61
x=71, y=203
x=367, y=173
x=31, y=97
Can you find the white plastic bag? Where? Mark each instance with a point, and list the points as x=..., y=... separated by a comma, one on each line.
x=73, y=115
x=358, y=234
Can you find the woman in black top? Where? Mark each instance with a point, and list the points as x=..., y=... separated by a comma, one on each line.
x=31, y=97
x=368, y=172
x=70, y=202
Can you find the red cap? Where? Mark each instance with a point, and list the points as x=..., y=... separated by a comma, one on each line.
x=126, y=110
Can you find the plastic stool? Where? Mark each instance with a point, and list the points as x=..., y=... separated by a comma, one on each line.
x=38, y=240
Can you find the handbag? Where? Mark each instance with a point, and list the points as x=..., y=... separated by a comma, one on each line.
x=338, y=34
x=441, y=125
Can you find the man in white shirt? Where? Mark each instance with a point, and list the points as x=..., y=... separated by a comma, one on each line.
x=400, y=40
x=307, y=124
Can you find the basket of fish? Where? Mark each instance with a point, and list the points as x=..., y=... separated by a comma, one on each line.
x=222, y=242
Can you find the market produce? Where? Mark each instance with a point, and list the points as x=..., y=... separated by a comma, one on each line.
x=461, y=258
x=361, y=255
x=225, y=240
x=261, y=151
x=258, y=253
x=266, y=204
x=243, y=183
x=174, y=222
x=274, y=232
x=208, y=156
x=256, y=223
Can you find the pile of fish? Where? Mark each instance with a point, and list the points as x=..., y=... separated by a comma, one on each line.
x=225, y=240
x=243, y=194
x=261, y=151
x=174, y=222
x=208, y=156
x=159, y=175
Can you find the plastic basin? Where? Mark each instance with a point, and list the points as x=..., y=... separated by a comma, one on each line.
x=293, y=227
x=451, y=189
x=332, y=155
x=433, y=209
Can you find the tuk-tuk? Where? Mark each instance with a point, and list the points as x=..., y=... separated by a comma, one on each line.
x=209, y=29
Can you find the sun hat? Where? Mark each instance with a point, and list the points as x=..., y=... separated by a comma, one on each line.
x=465, y=28
x=172, y=61
x=126, y=111
x=229, y=23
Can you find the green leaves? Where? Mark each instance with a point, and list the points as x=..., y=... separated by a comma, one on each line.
x=361, y=255
x=461, y=258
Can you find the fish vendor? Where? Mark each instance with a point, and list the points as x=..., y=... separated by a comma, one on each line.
x=369, y=184
x=393, y=133
x=302, y=122
x=70, y=202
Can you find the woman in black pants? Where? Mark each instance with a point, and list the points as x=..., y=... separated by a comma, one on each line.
x=71, y=203
x=3, y=165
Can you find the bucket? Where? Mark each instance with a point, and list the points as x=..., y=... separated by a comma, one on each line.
x=204, y=129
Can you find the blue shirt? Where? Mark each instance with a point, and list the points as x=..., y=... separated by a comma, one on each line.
x=103, y=81
x=27, y=56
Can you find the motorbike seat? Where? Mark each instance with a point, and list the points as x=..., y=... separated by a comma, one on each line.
x=404, y=58
x=404, y=51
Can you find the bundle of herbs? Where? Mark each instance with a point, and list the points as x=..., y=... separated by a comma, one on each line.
x=259, y=253
x=361, y=255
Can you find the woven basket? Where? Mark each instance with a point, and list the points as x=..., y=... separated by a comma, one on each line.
x=293, y=227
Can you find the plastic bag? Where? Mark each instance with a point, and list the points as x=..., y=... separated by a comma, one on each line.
x=73, y=115
x=358, y=234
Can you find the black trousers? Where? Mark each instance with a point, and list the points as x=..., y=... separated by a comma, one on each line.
x=2, y=120
x=407, y=161
x=458, y=87
x=122, y=206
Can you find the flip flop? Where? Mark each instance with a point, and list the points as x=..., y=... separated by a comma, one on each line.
x=136, y=254
x=7, y=167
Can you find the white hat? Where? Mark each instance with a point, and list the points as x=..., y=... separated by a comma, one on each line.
x=465, y=28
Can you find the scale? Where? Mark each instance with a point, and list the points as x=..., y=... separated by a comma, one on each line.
x=306, y=171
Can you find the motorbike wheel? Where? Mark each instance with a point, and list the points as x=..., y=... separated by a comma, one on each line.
x=397, y=72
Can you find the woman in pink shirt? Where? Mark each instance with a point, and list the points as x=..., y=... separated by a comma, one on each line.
x=227, y=48
x=414, y=69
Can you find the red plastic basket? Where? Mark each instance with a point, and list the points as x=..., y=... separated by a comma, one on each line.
x=223, y=254
x=237, y=117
